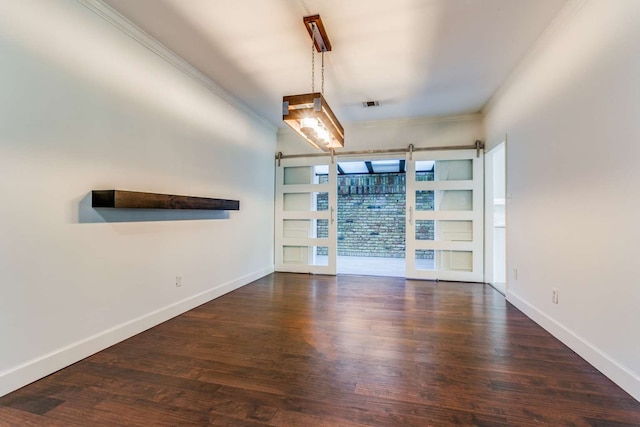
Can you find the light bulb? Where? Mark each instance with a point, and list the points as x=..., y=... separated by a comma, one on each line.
x=323, y=134
x=309, y=122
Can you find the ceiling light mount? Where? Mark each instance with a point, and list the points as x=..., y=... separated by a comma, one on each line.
x=309, y=114
x=317, y=32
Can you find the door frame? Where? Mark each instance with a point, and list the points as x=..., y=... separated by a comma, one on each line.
x=490, y=274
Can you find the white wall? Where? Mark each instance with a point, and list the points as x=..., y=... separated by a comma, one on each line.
x=85, y=106
x=384, y=134
x=571, y=115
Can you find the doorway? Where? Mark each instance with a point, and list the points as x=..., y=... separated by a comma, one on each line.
x=416, y=215
x=371, y=216
x=495, y=218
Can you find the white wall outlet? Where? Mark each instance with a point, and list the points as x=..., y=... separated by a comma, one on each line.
x=515, y=273
x=178, y=281
x=554, y=295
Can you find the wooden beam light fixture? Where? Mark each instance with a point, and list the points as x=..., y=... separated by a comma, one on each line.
x=309, y=115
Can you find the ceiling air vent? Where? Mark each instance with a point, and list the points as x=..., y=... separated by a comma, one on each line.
x=367, y=104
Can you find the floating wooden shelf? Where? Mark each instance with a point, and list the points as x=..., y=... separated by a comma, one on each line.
x=137, y=200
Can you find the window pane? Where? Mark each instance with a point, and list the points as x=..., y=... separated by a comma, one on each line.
x=454, y=200
x=322, y=228
x=444, y=200
x=353, y=167
x=425, y=230
x=305, y=174
x=385, y=166
x=444, y=170
x=454, y=170
x=307, y=228
x=425, y=259
x=297, y=175
x=444, y=260
x=292, y=228
x=424, y=165
x=305, y=255
x=305, y=202
x=425, y=200
x=424, y=176
x=450, y=231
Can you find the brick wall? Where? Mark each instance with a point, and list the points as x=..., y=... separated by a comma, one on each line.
x=371, y=215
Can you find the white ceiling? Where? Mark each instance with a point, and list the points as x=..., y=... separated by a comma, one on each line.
x=417, y=57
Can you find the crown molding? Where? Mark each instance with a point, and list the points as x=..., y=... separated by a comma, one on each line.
x=132, y=30
x=564, y=16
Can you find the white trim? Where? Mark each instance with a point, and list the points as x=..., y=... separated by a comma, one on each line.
x=25, y=373
x=568, y=11
x=132, y=30
x=619, y=374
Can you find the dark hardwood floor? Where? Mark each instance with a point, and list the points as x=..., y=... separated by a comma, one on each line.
x=298, y=350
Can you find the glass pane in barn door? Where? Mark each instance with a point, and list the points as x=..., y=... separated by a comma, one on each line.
x=305, y=228
x=444, y=238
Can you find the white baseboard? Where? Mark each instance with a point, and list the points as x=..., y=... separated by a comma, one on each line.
x=619, y=374
x=32, y=370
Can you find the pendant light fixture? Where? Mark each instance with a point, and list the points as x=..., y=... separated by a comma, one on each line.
x=308, y=114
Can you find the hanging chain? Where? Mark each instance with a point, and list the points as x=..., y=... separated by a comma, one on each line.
x=322, y=87
x=313, y=67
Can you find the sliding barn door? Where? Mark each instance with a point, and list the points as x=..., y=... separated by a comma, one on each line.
x=444, y=237
x=305, y=213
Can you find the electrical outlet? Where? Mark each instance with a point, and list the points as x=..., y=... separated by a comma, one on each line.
x=178, y=281
x=515, y=273
x=554, y=295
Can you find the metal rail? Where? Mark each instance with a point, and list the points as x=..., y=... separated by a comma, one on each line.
x=478, y=145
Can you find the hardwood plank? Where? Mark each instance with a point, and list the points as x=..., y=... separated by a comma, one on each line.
x=33, y=403
x=297, y=350
x=15, y=417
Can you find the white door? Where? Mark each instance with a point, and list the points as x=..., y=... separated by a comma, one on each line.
x=305, y=212
x=444, y=238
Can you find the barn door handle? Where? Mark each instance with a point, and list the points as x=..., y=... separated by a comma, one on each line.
x=411, y=215
x=332, y=220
